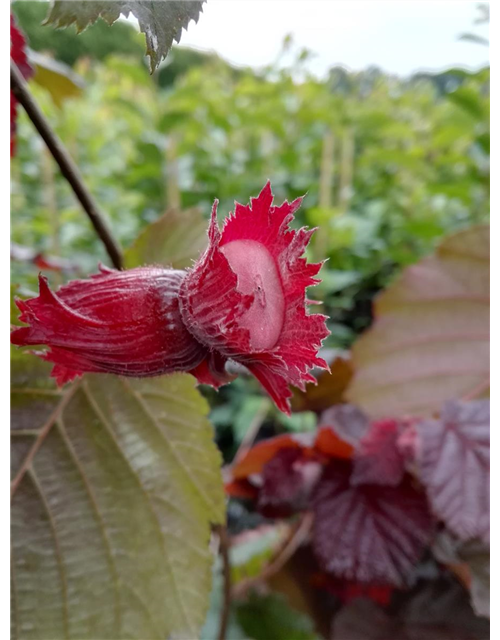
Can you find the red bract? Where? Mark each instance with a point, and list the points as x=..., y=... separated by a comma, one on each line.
x=18, y=54
x=245, y=297
x=122, y=322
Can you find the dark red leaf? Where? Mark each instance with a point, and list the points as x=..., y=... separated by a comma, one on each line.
x=369, y=533
x=261, y=453
x=348, y=422
x=287, y=482
x=453, y=457
x=378, y=459
x=347, y=590
x=330, y=445
x=241, y=489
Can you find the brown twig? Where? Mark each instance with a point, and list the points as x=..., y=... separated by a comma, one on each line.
x=296, y=537
x=68, y=168
x=224, y=545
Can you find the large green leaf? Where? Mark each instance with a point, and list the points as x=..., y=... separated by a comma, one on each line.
x=430, y=339
x=161, y=21
x=115, y=484
x=175, y=240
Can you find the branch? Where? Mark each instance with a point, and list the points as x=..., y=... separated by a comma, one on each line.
x=224, y=545
x=68, y=168
x=251, y=432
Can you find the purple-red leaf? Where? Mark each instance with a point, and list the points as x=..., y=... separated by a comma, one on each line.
x=349, y=422
x=453, y=457
x=287, y=482
x=378, y=459
x=369, y=533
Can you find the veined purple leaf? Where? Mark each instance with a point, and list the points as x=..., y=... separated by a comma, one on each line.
x=369, y=533
x=453, y=457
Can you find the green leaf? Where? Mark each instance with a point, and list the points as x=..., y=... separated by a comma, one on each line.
x=430, y=340
x=115, y=484
x=59, y=80
x=175, y=239
x=266, y=617
x=253, y=549
x=470, y=101
x=161, y=21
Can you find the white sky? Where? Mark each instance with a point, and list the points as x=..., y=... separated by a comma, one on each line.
x=400, y=36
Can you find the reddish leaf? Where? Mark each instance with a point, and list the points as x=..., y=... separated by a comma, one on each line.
x=261, y=453
x=349, y=422
x=330, y=445
x=369, y=533
x=453, y=457
x=287, y=482
x=347, y=590
x=430, y=338
x=18, y=54
x=241, y=489
x=324, y=444
x=378, y=459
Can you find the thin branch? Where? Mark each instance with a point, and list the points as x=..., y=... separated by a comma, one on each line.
x=296, y=537
x=251, y=432
x=68, y=168
x=224, y=545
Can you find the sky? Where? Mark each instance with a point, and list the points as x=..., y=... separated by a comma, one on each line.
x=399, y=36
